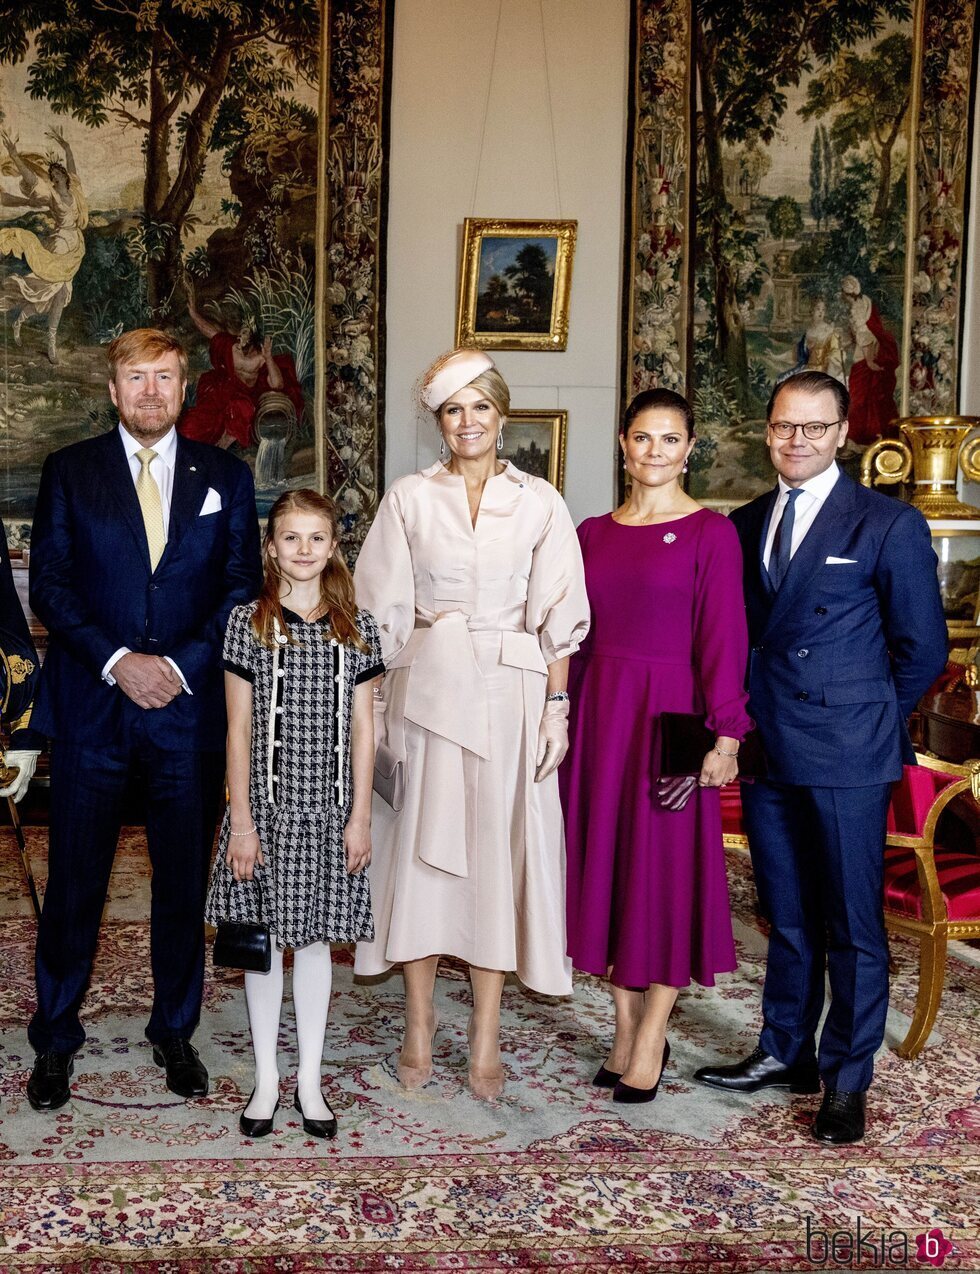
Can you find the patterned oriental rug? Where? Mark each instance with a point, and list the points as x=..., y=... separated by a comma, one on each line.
x=127, y=1177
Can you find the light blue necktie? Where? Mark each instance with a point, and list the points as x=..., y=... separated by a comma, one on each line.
x=783, y=540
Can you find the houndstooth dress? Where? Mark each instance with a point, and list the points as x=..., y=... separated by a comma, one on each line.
x=300, y=783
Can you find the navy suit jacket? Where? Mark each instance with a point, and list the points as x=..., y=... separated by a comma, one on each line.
x=92, y=587
x=841, y=654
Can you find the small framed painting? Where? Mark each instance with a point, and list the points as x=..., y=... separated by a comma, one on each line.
x=534, y=442
x=515, y=282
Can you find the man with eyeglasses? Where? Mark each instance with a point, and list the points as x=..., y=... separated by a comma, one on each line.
x=847, y=632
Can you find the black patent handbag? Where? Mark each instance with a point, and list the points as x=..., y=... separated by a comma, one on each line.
x=243, y=944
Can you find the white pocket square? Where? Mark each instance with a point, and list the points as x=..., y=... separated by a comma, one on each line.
x=841, y=561
x=212, y=503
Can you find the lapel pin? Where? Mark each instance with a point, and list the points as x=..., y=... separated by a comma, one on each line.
x=193, y=468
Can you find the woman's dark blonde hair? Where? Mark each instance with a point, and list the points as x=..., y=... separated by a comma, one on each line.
x=336, y=583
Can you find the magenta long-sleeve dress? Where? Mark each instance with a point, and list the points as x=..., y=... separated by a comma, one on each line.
x=647, y=892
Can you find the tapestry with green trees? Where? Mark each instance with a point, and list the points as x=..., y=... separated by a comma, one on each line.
x=827, y=215
x=159, y=166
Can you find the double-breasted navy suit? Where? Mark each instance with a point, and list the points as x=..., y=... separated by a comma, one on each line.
x=840, y=655
x=93, y=587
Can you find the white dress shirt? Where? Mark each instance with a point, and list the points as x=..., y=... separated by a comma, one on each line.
x=162, y=473
x=814, y=492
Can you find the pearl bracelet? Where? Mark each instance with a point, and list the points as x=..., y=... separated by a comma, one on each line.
x=252, y=829
x=728, y=754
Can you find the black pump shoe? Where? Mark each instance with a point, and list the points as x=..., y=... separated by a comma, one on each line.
x=627, y=1093
x=326, y=1128
x=256, y=1127
x=605, y=1078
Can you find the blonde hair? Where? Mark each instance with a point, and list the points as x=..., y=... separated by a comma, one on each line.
x=493, y=386
x=141, y=345
x=336, y=583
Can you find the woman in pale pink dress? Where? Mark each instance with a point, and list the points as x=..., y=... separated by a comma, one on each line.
x=473, y=571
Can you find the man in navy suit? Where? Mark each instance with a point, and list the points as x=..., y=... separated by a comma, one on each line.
x=142, y=544
x=847, y=632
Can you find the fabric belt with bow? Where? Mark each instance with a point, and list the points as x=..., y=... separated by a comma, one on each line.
x=446, y=696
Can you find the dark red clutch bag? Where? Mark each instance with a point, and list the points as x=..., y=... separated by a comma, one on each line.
x=685, y=740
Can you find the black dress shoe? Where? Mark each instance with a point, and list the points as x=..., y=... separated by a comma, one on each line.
x=840, y=1118
x=605, y=1078
x=186, y=1073
x=316, y=1127
x=48, y=1087
x=627, y=1093
x=256, y=1127
x=759, y=1070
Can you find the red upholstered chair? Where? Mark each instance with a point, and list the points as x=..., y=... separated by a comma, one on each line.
x=932, y=892
x=732, y=832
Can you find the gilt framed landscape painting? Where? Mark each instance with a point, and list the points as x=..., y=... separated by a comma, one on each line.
x=515, y=282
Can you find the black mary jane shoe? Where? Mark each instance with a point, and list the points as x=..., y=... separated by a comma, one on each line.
x=256, y=1127
x=605, y=1078
x=627, y=1093
x=326, y=1128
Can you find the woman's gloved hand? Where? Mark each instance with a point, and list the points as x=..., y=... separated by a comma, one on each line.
x=552, y=738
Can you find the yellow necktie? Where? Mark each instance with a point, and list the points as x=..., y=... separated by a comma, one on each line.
x=148, y=494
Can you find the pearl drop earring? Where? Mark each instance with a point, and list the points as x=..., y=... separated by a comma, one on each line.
x=442, y=449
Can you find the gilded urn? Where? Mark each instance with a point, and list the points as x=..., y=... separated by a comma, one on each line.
x=929, y=453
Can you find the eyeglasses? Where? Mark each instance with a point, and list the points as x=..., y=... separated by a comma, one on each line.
x=812, y=429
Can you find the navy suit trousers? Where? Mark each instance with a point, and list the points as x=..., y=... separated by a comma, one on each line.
x=818, y=857
x=183, y=797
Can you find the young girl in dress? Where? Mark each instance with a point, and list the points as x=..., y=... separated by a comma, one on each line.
x=299, y=666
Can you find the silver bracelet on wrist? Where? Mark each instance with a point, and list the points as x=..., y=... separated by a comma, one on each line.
x=252, y=829
x=721, y=753
x=557, y=696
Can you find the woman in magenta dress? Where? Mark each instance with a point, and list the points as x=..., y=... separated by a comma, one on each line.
x=647, y=893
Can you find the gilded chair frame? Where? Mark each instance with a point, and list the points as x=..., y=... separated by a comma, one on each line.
x=934, y=930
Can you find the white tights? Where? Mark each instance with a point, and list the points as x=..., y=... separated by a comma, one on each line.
x=312, y=978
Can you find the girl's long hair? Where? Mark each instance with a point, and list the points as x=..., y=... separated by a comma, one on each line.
x=336, y=583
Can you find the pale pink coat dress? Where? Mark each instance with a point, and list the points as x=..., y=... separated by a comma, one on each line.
x=473, y=865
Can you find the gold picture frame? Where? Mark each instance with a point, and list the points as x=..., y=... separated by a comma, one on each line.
x=534, y=442
x=506, y=302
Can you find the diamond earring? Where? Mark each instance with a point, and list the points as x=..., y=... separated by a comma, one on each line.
x=442, y=449
x=500, y=440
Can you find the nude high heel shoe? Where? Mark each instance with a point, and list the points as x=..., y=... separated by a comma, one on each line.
x=413, y=1077
x=486, y=1083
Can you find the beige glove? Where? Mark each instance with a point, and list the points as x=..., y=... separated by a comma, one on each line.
x=552, y=738
x=26, y=764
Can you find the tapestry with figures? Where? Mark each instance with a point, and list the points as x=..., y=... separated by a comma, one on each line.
x=797, y=179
